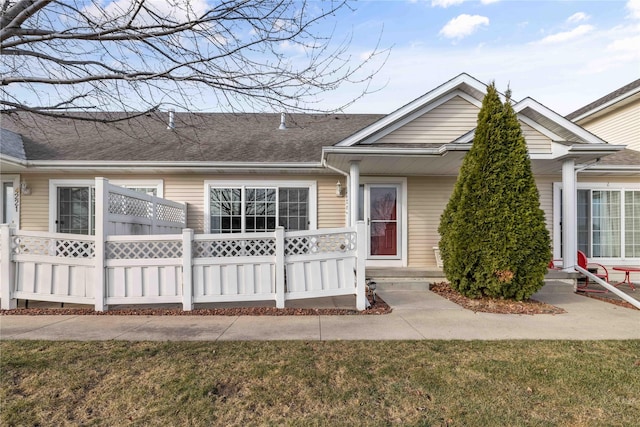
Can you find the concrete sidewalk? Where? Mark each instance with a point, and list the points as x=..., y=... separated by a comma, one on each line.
x=417, y=314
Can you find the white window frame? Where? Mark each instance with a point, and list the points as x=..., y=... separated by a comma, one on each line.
x=15, y=180
x=607, y=186
x=91, y=183
x=250, y=183
x=401, y=260
x=141, y=183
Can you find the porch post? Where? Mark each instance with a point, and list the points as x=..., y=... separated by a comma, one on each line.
x=361, y=255
x=187, y=269
x=569, y=212
x=280, y=268
x=6, y=270
x=354, y=190
x=101, y=217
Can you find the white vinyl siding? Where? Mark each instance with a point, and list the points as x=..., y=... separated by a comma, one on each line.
x=441, y=125
x=620, y=126
x=427, y=198
x=537, y=143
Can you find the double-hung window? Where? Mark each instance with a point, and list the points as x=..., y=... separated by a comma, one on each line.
x=254, y=206
x=72, y=202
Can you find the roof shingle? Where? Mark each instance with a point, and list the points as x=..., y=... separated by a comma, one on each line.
x=216, y=137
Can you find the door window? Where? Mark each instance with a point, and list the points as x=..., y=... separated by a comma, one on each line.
x=383, y=224
x=76, y=210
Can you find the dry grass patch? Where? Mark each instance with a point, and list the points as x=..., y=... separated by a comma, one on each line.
x=320, y=383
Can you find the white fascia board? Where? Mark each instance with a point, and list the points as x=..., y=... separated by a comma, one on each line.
x=596, y=168
x=415, y=106
x=606, y=105
x=557, y=118
x=9, y=164
x=137, y=165
x=596, y=148
x=387, y=151
x=12, y=160
x=458, y=146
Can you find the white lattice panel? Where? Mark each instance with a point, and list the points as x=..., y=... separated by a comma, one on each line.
x=151, y=249
x=170, y=213
x=64, y=248
x=120, y=204
x=320, y=243
x=234, y=248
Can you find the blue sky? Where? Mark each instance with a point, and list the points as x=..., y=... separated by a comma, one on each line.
x=564, y=54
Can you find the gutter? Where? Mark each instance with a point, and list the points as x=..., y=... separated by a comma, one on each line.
x=13, y=160
x=328, y=166
x=387, y=151
x=189, y=166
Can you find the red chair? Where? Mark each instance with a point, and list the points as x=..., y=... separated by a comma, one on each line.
x=594, y=268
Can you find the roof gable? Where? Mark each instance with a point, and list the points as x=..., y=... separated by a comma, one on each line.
x=612, y=100
x=441, y=124
x=463, y=86
x=553, y=124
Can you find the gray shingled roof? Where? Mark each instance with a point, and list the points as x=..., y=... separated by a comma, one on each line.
x=217, y=137
x=622, y=158
x=601, y=101
x=11, y=144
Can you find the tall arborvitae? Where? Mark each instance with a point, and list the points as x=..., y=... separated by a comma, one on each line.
x=494, y=241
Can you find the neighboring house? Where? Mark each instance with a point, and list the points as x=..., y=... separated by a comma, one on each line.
x=615, y=118
x=396, y=172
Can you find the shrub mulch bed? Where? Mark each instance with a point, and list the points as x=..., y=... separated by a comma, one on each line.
x=379, y=307
x=494, y=305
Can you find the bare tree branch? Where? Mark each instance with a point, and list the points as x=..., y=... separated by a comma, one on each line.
x=237, y=54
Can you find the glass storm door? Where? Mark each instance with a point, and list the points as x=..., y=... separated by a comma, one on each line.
x=9, y=206
x=75, y=210
x=382, y=219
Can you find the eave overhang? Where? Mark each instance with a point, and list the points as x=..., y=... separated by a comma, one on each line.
x=447, y=158
x=170, y=167
x=9, y=164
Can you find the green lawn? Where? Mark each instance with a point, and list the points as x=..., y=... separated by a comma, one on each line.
x=320, y=383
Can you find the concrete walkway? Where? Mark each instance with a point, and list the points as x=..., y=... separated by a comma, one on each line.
x=417, y=314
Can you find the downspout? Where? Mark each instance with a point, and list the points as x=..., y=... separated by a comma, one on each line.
x=333, y=168
x=585, y=166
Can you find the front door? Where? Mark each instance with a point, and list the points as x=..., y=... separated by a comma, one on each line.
x=382, y=205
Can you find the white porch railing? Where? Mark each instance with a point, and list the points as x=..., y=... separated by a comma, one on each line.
x=181, y=268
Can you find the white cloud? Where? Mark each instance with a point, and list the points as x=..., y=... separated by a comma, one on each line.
x=565, y=36
x=445, y=3
x=463, y=26
x=559, y=76
x=629, y=44
x=578, y=17
x=633, y=6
